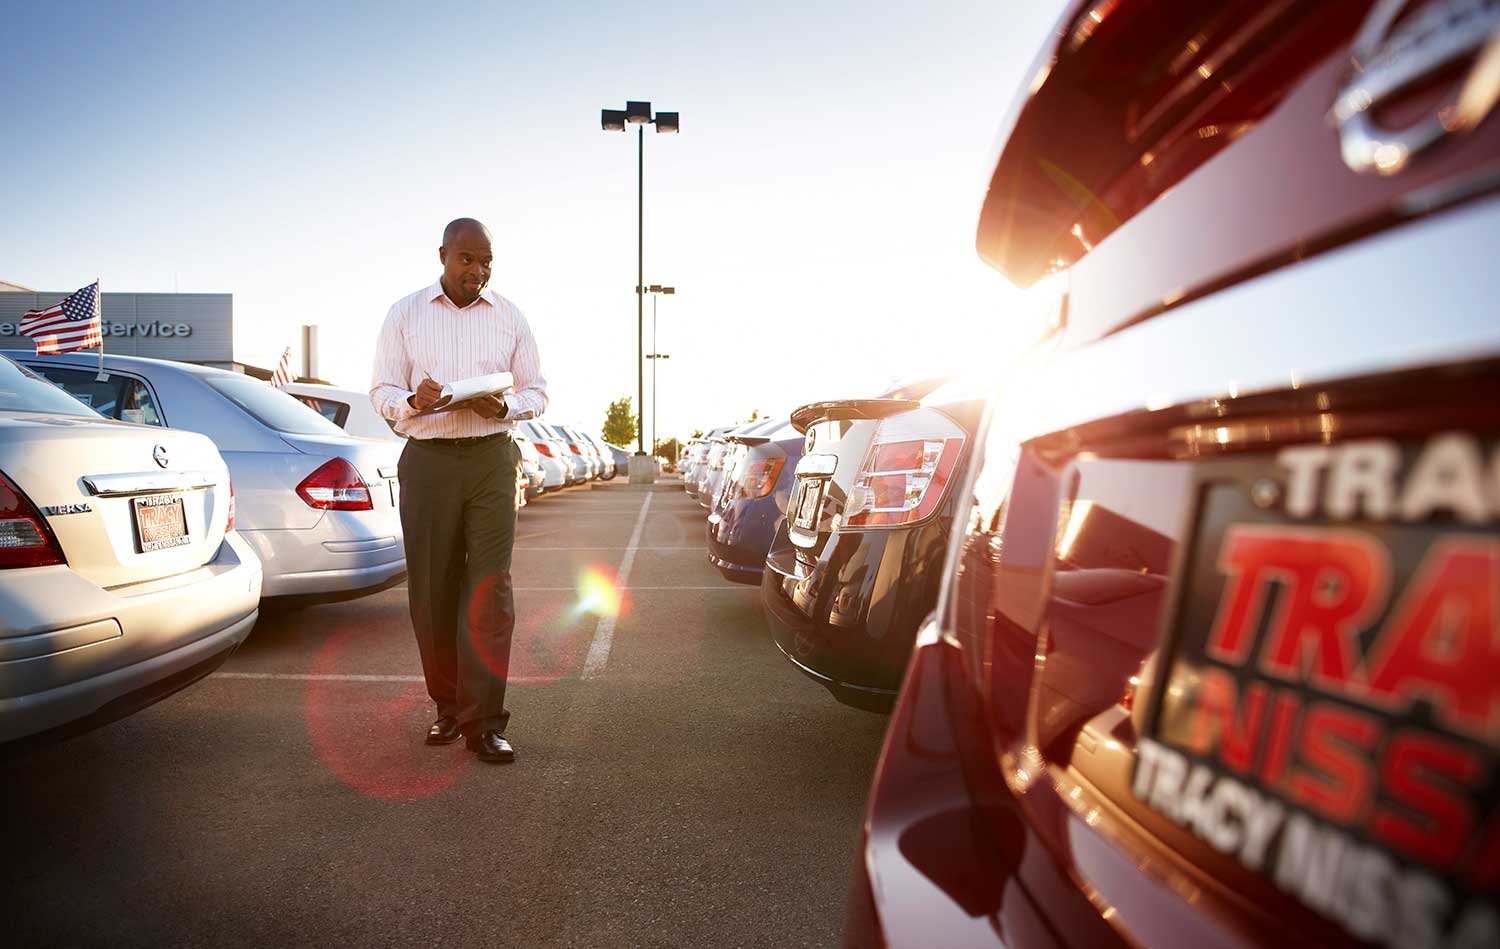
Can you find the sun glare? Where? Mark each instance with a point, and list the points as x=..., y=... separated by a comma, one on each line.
x=599, y=592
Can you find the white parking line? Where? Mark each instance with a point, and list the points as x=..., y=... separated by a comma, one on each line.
x=316, y=677
x=630, y=589
x=611, y=547
x=604, y=633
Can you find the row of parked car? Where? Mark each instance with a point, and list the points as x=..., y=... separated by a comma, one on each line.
x=147, y=508
x=1191, y=629
x=840, y=514
x=553, y=456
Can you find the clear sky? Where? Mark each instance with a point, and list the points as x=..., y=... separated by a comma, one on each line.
x=816, y=213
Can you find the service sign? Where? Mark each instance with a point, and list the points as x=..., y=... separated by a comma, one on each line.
x=1330, y=711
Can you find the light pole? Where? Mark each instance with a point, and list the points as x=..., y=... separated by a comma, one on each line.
x=656, y=290
x=615, y=120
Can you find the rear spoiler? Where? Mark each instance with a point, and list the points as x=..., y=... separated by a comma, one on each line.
x=750, y=440
x=846, y=409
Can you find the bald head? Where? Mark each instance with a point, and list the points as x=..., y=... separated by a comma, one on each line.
x=463, y=225
x=466, y=258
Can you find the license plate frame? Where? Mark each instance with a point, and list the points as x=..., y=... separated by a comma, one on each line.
x=809, y=505
x=1244, y=501
x=160, y=522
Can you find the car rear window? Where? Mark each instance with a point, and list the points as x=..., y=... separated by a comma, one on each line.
x=331, y=409
x=22, y=390
x=271, y=407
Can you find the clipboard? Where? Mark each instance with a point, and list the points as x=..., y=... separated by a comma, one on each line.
x=456, y=394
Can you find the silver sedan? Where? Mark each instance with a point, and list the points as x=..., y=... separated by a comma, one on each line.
x=122, y=578
x=316, y=504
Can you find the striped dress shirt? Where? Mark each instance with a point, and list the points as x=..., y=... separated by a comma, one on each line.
x=427, y=333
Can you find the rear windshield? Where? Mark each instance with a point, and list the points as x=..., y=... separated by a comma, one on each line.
x=271, y=407
x=22, y=390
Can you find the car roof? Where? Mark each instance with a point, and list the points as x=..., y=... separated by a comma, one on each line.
x=141, y=364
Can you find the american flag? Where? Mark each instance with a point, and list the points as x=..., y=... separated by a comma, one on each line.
x=283, y=373
x=67, y=326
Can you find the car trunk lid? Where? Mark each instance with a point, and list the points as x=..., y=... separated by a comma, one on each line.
x=126, y=504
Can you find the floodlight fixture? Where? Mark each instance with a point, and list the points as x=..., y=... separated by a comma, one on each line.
x=667, y=122
x=613, y=120
x=638, y=113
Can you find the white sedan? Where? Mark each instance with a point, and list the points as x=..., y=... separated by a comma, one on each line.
x=122, y=578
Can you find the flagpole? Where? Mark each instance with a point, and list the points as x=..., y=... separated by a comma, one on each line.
x=99, y=312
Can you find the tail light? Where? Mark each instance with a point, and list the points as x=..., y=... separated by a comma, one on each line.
x=335, y=486
x=543, y=448
x=229, y=524
x=574, y=448
x=906, y=472
x=760, y=477
x=25, y=539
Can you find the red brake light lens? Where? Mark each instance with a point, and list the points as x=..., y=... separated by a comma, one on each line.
x=335, y=486
x=902, y=481
x=574, y=448
x=543, y=448
x=25, y=539
x=760, y=477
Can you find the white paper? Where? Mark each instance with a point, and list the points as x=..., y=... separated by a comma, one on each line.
x=456, y=393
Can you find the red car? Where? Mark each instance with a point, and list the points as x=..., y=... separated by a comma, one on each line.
x=1217, y=656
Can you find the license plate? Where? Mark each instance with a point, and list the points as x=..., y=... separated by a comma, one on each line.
x=1333, y=682
x=160, y=522
x=808, y=505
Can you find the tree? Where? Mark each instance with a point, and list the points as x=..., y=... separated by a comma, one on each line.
x=619, y=423
x=669, y=449
x=754, y=414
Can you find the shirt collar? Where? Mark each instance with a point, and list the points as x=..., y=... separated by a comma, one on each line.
x=436, y=293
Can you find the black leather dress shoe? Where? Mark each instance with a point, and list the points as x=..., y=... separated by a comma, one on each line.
x=491, y=746
x=444, y=731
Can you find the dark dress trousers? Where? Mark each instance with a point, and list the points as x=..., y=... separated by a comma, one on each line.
x=458, y=512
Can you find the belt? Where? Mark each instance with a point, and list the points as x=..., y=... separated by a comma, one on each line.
x=464, y=442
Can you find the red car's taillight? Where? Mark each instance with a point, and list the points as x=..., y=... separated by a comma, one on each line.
x=25, y=539
x=906, y=472
x=229, y=524
x=543, y=448
x=335, y=486
x=760, y=477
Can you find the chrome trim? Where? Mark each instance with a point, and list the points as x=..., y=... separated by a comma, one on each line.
x=128, y=484
x=1388, y=58
x=1417, y=295
x=358, y=546
x=817, y=466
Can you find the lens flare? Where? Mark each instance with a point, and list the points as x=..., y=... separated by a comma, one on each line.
x=369, y=736
x=599, y=593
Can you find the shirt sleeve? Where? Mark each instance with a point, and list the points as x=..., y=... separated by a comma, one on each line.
x=388, y=383
x=529, y=397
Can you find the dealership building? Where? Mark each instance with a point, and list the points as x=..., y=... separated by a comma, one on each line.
x=184, y=327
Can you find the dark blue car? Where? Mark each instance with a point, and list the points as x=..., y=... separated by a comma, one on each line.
x=752, y=498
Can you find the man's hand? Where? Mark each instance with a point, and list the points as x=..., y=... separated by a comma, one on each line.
x=488, y=406
x=426, y=395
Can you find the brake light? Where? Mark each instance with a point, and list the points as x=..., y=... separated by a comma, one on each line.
x=229, y=524
x=25, y=539
x=335, y=486
x=574, y=448
x=543, y=448
x=903, y=479
x=760, y=477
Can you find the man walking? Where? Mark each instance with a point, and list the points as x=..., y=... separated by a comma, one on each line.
x=458, y=481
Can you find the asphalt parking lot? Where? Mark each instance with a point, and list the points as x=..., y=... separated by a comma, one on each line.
x=682, y=786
